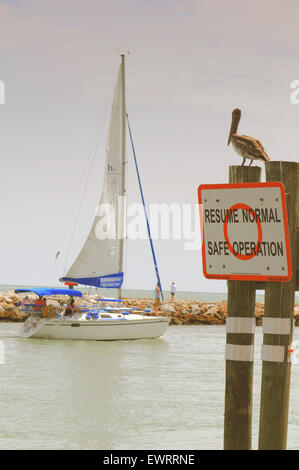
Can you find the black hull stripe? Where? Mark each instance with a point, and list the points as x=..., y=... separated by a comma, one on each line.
x=105, y=324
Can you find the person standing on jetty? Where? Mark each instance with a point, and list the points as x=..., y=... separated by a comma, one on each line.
x=172, y=291
x=157, y=299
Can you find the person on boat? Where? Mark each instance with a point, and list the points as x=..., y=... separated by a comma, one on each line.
x=24, y=301
x=157, y=299
x=70, y=309
x=172, y=291
x=39, y=303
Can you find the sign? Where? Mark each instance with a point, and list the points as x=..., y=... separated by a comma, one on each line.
x=245, y=232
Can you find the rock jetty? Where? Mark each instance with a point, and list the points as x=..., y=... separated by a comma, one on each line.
x=182, y=312
x=193, y=312
x=9, y=309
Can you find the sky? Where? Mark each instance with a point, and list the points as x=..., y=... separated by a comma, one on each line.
x=189, y=64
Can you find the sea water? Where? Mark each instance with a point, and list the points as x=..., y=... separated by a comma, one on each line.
x=165, y=393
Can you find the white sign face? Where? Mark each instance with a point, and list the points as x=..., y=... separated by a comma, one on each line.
x=245, y=232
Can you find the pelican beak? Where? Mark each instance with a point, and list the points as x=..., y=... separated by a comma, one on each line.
x=236, y=116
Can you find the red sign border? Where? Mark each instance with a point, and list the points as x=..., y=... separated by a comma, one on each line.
x=244, y=277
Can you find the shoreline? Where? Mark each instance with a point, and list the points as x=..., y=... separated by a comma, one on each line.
x=182, y=312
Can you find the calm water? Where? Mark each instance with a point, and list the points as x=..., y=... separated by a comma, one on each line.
x=166, y=393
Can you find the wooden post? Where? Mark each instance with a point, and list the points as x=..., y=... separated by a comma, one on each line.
x=278, y=326
x=239, y=371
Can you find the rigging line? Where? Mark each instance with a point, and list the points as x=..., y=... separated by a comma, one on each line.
x=83, y=175
x=126, y=256
x=89, y=163
x=85, y=169
x=49, y=272
x=70, y=214
x=145, y=211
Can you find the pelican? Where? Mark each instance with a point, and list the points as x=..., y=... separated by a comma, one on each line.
x=245, y=146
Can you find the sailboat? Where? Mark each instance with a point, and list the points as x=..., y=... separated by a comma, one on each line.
x=100, y=261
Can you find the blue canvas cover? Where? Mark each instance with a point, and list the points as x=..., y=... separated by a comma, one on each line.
x=42, y=291
x=111, y=281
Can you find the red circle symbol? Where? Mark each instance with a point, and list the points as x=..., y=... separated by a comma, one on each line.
x=259, y=229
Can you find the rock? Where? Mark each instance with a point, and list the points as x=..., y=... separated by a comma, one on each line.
x=12, y=314
x=220, y=316
x=195, y=308
x=5, y=305
x=168, y=309
x=212, y=310
x=175, y=321
x=14, y=299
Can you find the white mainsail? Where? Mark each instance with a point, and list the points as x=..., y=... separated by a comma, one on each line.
x=100, y=260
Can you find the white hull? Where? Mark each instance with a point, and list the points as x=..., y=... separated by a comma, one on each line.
x=135, y=327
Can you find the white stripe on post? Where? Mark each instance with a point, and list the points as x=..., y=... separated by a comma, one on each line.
x=240, y=325
x=271, y=353
x=276, y=326
x=239, y=352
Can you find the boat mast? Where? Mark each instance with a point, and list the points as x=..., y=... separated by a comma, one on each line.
x=123, y=179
